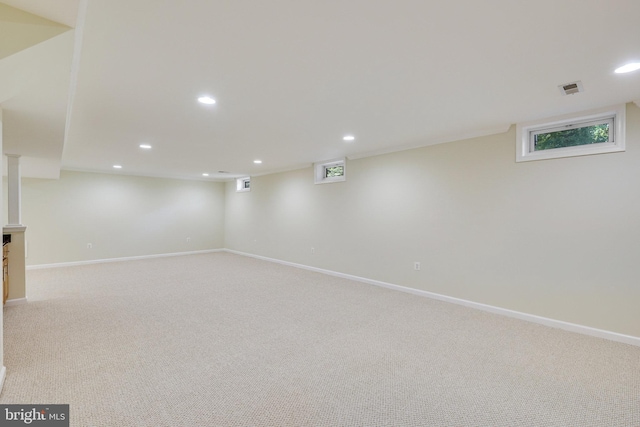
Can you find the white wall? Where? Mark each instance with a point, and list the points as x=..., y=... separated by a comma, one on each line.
x=119, y=215
x=555, y=238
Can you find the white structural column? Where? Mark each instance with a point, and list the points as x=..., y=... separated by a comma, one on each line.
x=14, y=189
x=3, y=370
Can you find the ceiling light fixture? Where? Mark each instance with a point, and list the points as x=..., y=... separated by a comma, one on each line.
x=627, y=68
x=257, y=162
x=117, y=166
x=348, y=138
x=206, y=100
x=145, y=146
x=205, y=174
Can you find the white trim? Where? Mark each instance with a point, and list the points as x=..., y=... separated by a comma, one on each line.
x=131, y=258
x=3, y=375
x=15, y=301
x=13, y=228
x=558, y=324
x=524, y=152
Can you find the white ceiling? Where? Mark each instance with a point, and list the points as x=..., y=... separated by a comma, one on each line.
x=292, y=77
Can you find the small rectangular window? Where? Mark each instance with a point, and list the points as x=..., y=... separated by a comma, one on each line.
x=243, y=184
x=331, y=171
x=594, y=132
x=573, y=134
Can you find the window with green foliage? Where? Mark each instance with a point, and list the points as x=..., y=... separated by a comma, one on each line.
x=594, y=132
x=333, y=171
x=573, y=135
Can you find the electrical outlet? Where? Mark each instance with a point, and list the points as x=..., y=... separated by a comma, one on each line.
x=89, y=246
x=188, y=239
x=416, y=266
x=313, y=250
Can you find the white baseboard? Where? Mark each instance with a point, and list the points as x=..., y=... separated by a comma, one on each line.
x=132, y=258
x=15, y=301
x=559, y=324
x=3, y=374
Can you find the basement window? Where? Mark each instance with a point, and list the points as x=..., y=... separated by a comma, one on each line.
x=331, y=171
x=595, y=132
x=243, y=184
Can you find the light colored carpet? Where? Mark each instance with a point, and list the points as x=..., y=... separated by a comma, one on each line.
x=225, y=340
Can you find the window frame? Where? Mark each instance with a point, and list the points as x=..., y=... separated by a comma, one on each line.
x=241, y=184
x=525, y=132
x=320, y=171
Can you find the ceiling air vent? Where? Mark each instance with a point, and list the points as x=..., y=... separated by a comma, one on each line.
x=571, y=88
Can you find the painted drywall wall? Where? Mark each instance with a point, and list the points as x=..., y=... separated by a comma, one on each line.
x=120, y=216
x=20, y=30
x=555, y=238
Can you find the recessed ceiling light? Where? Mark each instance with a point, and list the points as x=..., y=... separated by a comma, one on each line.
x=145, y=146
x=206, y=100
x=257, y=162
x=348, y=137
x=117, y=166
x=627, y=68
x=205, y=174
